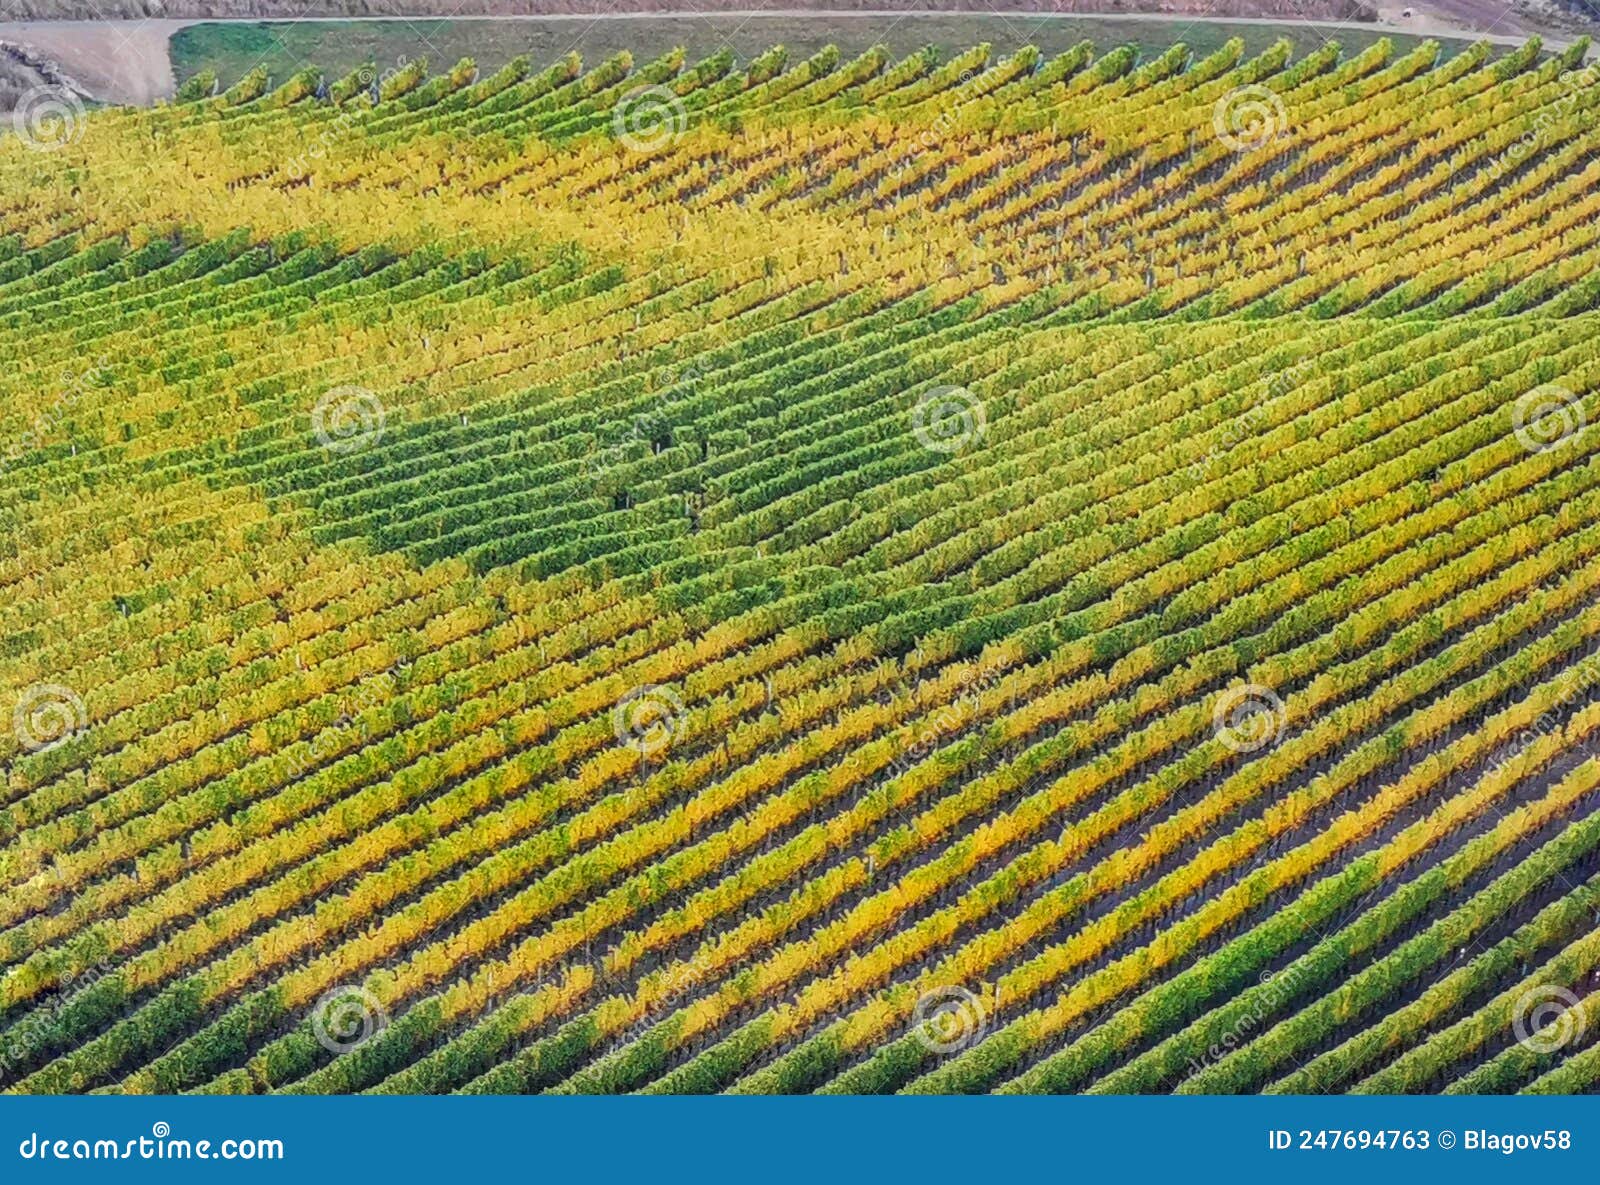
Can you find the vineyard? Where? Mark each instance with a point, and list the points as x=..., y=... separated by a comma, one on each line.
x=978, y=573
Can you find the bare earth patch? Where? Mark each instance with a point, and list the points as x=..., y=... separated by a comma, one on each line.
x=1432, y=17
x=115, y=61
x=1558, y=22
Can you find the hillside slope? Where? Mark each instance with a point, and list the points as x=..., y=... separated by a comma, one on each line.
x=1001, y=574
